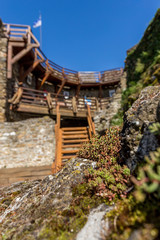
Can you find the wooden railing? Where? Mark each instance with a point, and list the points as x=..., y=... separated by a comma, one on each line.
x=91, y=129
x=58, y=136
x=24, y=33
x=18, y=32
x=40, y=99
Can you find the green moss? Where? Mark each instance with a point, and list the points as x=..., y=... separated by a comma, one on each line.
x=142, y=63
x=66, y=224
x=117, y=119
x=131, y=215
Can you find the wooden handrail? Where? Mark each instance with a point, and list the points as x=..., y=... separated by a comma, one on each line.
x=100, y=77
x=90, y=122
x=50, y=100
x=58, y=136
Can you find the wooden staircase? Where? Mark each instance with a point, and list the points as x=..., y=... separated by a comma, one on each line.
x=69, y=140
x=72, y=139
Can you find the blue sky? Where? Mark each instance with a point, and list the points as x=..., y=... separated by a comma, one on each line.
x=84, y=35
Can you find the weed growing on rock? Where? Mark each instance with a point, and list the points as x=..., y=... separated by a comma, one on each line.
x=109, y=179
x=140, y=213
x=148, y=183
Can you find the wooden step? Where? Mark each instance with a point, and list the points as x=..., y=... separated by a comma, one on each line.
x=70, y=151
x=74, y=128
x=75, y=136
x=74, y=132
x=72, y=146
x=69, y=156
x=75, y=141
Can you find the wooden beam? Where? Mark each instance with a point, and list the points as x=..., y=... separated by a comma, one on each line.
x=47, y=74
x=63, y=83
x=22, y=53
x=61, y=87
x=30, y=69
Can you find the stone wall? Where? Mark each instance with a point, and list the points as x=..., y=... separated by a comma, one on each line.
x=103, y=117
x=3, y=74
x=27, y=143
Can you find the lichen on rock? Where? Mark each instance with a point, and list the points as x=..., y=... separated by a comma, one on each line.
x=137, y=140
x=48, y=208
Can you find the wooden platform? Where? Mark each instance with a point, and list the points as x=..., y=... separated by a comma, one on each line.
x=12, y=175
x=44, y=111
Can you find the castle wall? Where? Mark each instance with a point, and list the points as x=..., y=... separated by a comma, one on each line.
x=103, y=117
x=27, y=143
x=3, y=74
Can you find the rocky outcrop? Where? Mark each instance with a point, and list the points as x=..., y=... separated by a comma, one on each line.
x=137, y=140
x=42, y=209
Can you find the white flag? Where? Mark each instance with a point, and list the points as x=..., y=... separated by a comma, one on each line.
x=38, y=23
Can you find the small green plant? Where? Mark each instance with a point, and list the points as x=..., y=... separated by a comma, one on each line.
x=148, y=183
x=109, y=179
x=148, y=179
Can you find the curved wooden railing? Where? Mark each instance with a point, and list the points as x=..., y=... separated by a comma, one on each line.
x=24, y=33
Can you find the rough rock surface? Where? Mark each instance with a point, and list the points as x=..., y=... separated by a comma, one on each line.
x=27, y=143
x=137, y=140
x=28, y=209
x=96, y=227
x=102, y=118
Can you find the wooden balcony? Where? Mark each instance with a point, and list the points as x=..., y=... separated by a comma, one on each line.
x=41, y=102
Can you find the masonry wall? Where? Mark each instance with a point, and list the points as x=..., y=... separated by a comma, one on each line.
x=103, y=117
x=3, y=74
x=27, y=143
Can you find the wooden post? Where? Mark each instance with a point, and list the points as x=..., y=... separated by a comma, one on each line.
x=9, y=64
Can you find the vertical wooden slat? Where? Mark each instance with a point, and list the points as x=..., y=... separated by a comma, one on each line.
x=9, y=64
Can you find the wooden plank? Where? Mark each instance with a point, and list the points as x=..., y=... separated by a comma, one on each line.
x=71, y=146
x=75, y=140
x=75, y=136
x=70, y=151
x=18, y=169
x=44, y=110
x=58, y=161
x=74, y=132
x=73, y=128
x=68, y=157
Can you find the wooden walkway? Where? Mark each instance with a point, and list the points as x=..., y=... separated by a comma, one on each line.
x=12, y=175
x=40, y=102
x=23, y=46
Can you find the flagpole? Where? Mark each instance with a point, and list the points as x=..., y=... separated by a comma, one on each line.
x=41, y=33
